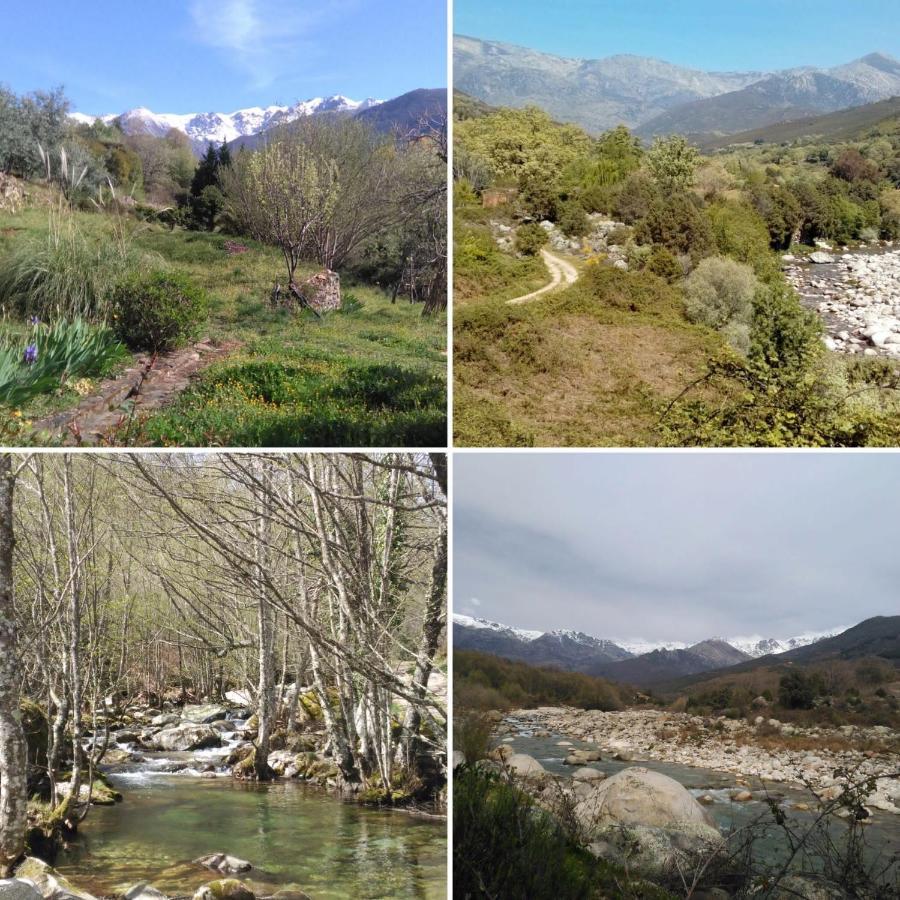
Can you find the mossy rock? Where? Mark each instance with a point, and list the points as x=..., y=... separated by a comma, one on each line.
x=310, y=703
x=239, y=754
x=322, y=770
x=224, y=889
x=303, y=762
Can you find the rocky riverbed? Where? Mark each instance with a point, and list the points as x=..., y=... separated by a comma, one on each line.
x=766, y=750
x=857, y=294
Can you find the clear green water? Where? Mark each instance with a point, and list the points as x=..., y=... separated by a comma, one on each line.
x=294, y=836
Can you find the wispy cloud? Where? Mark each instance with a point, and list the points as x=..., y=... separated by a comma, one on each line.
x=264, y=38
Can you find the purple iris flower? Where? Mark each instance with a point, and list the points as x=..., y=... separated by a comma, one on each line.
x=31, y=354
x=34, y=320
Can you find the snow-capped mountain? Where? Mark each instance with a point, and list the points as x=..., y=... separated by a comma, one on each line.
x=203, y=128
x=634, y=658
x=757, y=646
x=521, y=634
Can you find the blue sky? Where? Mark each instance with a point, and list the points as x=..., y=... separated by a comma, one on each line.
x=221, y=55
x=704, y=34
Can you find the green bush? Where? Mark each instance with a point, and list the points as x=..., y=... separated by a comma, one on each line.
x=572, y=219
x=798, y=690
x=158, y=311
x=662, y=262
x=679, y=223
x=719, y=293
x=505, y=846
x=530, y=238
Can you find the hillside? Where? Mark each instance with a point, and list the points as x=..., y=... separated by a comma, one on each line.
x=846, y=124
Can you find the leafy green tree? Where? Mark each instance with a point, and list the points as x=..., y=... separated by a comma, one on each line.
x=672, y=162
x=530, y=238
x=281, y=194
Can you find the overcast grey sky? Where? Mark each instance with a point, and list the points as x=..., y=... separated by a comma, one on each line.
x=677, y=546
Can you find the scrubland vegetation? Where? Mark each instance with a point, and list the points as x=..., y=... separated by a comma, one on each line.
x=682, y=329
x=485, y=682
x=146, y=249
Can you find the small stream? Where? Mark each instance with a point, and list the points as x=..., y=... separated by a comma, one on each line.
x=296, y=837
x=882, y=835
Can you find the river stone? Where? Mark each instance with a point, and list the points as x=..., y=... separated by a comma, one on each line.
x=808, y=887
x=741, y=796
x=143, y=891
x=49, y=883
x=224, y=889
x=820, y=257
x=458, y=758
x=239, y=698
x=639, y=796
x=14, y=889
x=204, y=713
x=585, y=773
x=523, y=764
x=165, y=719
x=222, y=862
x=188, y=737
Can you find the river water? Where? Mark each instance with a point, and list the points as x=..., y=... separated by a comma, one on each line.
x=295, y=836
x=882, y=833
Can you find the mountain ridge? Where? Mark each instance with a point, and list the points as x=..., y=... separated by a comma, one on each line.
x=614, y=658
x=653, y=96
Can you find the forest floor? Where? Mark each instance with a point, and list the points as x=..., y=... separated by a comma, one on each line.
x=372, y=373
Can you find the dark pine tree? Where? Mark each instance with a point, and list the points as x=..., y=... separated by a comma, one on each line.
x=207, y=172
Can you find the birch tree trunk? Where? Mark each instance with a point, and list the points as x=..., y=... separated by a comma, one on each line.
x=13, y=749
x=265, y=633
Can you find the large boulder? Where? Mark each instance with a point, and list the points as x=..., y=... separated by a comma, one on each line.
x=16, y=889
x=639, y=796
x=222, y=862
x=165, y=719
x=203, y=713
x=187, y=737
x=525, y=765
x=48, y=882
x=648, y=821
x=224, y=889
x=239, y=698
x=321, y=292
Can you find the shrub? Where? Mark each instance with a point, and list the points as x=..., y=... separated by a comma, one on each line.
x=719, y=293
x=505, y=846
x=158, y=311
x=662, y=262
x=797, y=690
x=572, y=219
x=635, y=198
x=678, y=223
x=739, y=232
x=530, y=238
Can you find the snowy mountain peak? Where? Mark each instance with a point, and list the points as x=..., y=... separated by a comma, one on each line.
x=475, y=622
x=214, y=127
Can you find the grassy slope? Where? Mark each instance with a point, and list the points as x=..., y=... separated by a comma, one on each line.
x=588, y=366
x=845, y=124
x=371, y=376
